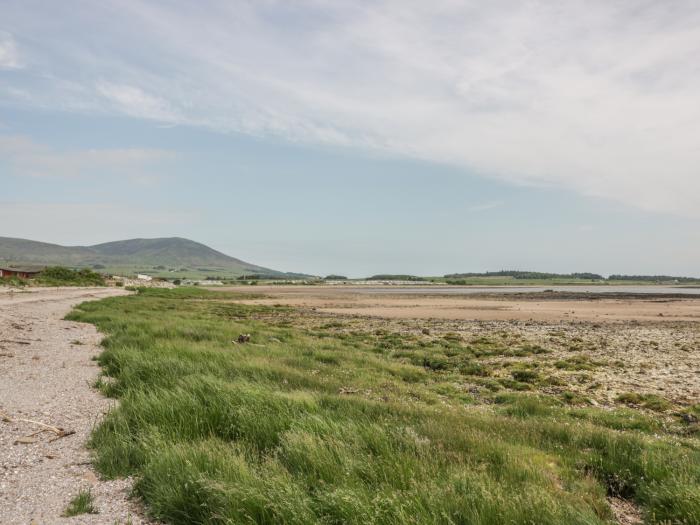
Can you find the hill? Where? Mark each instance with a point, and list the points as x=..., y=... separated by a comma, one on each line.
x=173, y=256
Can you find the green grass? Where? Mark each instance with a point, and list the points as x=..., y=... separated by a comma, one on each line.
x=82, y=503
x=650, y=401
x=303, y=427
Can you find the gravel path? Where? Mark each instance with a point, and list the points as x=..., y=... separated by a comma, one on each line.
x=46, y=373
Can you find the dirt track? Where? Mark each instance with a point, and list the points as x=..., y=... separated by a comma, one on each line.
x=46, y=373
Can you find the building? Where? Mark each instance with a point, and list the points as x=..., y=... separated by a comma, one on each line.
x=22, y=273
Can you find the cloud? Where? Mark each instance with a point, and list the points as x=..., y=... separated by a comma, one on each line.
x=602, y=98
x=9, y=57
x=27, y=158
x=136, y=103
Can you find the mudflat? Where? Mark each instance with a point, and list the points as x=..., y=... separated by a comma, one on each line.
x=391, y=303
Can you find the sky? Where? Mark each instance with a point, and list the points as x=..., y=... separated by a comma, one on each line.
x=359, y=137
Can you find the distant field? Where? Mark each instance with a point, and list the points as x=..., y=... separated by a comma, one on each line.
x=334, y=420
x=189, y=273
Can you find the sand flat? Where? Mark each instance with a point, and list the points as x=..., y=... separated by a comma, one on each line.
x=388, y=303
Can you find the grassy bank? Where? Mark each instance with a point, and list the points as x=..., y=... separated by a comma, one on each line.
x=300, y=427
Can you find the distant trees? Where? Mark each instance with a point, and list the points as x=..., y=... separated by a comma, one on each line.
x=523, y=275
x=396, y=277
x=518, y=274
x=256, y=277
x=333, y=277
x=653, y=278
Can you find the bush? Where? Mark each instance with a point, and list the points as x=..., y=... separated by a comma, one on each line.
x=62, y=276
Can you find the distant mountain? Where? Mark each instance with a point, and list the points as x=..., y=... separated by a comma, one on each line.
x=172, y=253
x=25, y=251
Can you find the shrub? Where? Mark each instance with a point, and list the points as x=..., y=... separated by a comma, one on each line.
x=62, y=276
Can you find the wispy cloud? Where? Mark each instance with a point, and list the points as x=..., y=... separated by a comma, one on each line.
x=9, y=56
x=24, y=157
x=602, y=98
x=135, y=102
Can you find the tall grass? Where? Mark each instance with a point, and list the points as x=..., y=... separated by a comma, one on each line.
x=302, y=428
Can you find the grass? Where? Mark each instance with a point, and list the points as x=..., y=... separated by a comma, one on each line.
x=304, y=427
x=650, y=401
x=82, y=503
x=579, y=362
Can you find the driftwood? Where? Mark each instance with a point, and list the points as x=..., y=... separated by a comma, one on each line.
x=60, y=432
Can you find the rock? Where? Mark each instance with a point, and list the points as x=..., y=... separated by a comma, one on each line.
x=90, y=477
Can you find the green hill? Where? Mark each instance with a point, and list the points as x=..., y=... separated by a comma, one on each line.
x=172, y=256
